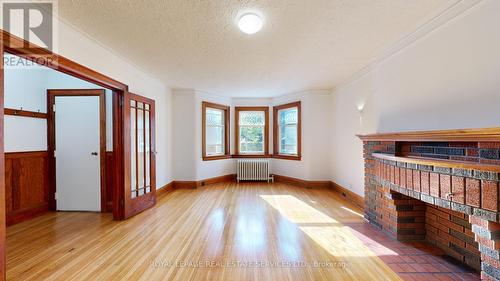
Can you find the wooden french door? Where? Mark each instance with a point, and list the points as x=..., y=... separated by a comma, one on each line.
x=140, y=154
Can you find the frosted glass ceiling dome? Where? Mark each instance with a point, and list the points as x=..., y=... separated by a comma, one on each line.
x=250, y=23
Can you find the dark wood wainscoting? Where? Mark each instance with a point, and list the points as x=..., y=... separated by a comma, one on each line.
x=110, y=170
x=26, y=185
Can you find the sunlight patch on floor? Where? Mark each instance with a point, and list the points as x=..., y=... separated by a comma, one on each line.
x=296, y=210
x=352, y=211
x=335, y=238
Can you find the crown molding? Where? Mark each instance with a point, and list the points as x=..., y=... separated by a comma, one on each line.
x=427, y=27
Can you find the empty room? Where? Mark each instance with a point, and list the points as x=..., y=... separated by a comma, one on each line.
x=250, y=140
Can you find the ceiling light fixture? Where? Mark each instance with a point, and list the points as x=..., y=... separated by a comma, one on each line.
x=250, y=23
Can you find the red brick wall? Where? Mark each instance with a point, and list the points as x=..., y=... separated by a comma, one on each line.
x=455, y=209
x=452, y=232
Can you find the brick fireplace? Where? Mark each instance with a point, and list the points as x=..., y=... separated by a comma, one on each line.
x=438, y=186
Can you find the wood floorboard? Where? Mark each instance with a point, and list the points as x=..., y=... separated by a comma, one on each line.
x=227, y=231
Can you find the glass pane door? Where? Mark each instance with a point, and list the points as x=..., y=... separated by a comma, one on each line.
x=140, y=148
x=139, y=153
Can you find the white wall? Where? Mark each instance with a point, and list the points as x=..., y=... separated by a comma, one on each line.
x=30, y=134
x=445, y=80
x=184, y=139
x=25, y=134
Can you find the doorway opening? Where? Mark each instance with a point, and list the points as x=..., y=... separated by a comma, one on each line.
x=58, y=142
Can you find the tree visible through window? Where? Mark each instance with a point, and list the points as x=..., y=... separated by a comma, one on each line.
x=252, y=124
x=252, y=129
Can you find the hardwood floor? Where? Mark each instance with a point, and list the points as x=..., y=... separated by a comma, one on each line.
x=220, y=232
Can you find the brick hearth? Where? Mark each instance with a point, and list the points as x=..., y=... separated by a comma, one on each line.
x=451, y=207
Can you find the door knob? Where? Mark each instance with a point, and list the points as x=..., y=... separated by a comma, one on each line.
x=94, y=153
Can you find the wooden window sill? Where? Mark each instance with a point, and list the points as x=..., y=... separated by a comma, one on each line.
x=287, y=157
x=252, y=156
x=276, y=156
x=216, y=157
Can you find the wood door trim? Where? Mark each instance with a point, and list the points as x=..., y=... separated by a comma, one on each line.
x=3, y=218
x=22, y=48
x=51, y=95
x=237, y=110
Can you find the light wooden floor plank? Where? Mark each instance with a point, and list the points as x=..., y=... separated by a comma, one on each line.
x=225, y=227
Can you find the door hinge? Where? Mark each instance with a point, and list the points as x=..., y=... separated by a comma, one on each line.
x=54, y=108
x=54, y=154
x=55, y=195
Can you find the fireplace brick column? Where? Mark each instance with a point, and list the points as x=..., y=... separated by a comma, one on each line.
x=453, y=206
x=487, y=234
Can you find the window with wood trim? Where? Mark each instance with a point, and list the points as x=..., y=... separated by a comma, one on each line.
x=215, y=131
x=287, y=131
x=252, y=131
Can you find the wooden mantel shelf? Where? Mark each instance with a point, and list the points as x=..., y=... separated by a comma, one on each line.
x=440, y=162
x=475, y=135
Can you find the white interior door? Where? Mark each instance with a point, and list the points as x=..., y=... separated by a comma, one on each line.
x=77, y=153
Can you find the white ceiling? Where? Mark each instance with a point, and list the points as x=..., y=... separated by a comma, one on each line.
x=195, y=44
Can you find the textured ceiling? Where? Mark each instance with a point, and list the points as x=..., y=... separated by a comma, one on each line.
x=304, y=44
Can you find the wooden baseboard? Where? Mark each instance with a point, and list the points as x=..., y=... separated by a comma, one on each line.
x=165, y=189
x=302, y=183
x=225, y=178
x=26, y=214
x=184, y=184
x=349, y=195
x=209, y=181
